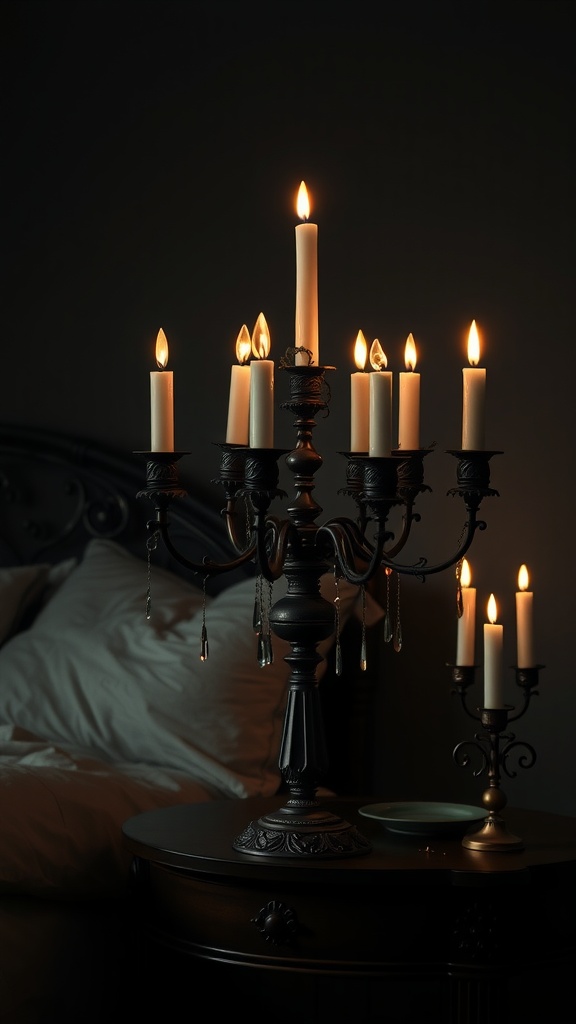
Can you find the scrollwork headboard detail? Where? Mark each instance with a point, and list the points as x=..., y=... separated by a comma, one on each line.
x=57, y=492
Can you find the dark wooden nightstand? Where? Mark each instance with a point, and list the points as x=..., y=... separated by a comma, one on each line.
x=417, y=930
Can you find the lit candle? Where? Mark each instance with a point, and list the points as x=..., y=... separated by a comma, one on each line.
x=467, y=621
x=380, y=402
x=161, y=400
x=261, y=388
x=237, y=430
x=524, y=630
x=473, y=396
x=409, y=401
x=493, y=645
x=306, y=325
x=360, y=398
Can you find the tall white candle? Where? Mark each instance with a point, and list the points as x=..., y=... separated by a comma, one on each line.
x=238, y=429
x=465, y=645
x=409, y=401
x=473, y=396
x=524, y=625
x=261, y=388
x=360, y=398
x=306, y=321
x=493, y=649
x=161, y=400
x=380, y=402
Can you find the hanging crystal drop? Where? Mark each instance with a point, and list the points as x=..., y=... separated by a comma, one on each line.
x=398, y=636
x=338, y=666
x=261, y=651
x=363, y=654
x=387, y=628
x=204, y=644
x=268, y=653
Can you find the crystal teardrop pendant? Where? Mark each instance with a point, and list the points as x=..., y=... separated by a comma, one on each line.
x=387, y=628
x=261, y=651
x=398, y=636
x=204, y=645
x=338, y=666
x=363, y=655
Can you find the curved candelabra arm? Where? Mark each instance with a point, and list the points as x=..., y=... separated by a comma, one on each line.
x=421, y=569
x=347, y=547
x=526, y=679
x=207, y=566
x=272, y=538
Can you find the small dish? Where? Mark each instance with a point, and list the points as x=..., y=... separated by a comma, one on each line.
x=425, y=818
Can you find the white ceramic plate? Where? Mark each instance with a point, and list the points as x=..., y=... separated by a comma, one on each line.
x=422, y=818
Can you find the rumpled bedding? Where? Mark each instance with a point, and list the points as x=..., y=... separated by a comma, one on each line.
x=62, y=811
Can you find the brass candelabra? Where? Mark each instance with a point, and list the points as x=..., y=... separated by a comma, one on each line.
x=303, y=551
x=496, y=748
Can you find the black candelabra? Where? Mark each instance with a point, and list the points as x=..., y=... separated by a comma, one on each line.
x=303, y=551
x=498, y=749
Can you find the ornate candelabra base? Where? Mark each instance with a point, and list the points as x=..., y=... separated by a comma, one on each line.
x=297, y=832
x=493, y=836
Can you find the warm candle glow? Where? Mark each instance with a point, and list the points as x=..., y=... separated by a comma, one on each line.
x=360, y=351
x=260, y=338
x=492, y=609
x=243, y=345
x=378, y=360
x=161, y=400
x=523, y=578
x=465, y=575
x=303, y=202
x=466, y=640
x=162, y=350
x=410, y=353
x=524, y=621
x=473, y=345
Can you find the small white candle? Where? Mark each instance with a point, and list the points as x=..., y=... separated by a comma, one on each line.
x=360, y=398
x=409, y=401
x=237, y=429
x=473, y=396
x=493, y=647
x=380, y=402
x=306, y=321
x=524, y=628
x=261, y=388
x=161, y=400
x=465, y=644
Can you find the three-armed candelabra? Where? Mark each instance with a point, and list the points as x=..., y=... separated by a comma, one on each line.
x=303, y=551
x=496, y=748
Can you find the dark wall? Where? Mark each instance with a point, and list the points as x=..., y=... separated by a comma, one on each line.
x=152, y=154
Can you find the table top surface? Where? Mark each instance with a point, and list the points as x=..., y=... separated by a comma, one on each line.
x=198, y=838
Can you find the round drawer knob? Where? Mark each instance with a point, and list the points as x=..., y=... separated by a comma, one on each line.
x=277, y=922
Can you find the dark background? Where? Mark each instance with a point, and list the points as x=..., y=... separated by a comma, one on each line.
x=151, y=157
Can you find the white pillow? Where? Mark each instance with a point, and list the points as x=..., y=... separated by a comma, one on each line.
x=93, y=672
x=22, y=587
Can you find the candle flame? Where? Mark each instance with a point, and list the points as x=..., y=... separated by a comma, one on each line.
x=378, y=360
x=243, y=345
x=523, y=578
x=303, y=202
x=261, y=338
x=410, y=353
x=161, y=350
x=492, y=609
x=465, y=575
x=360, y=351
x=473, y=345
